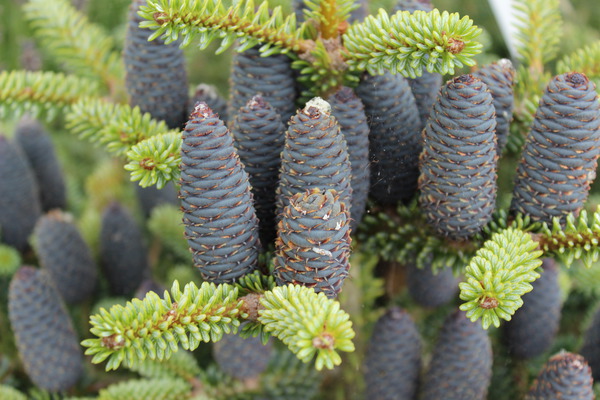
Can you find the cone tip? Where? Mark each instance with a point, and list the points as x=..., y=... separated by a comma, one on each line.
x=321, y=105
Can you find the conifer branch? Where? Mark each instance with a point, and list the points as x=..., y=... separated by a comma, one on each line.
x=585, y=60
x=81, y=46
x=148, y=389
x=539, y=31
x=329, y=15
x=408, y=43
x=499, y=274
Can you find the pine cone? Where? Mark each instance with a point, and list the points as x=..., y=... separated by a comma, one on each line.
x=123, y=255
x=412, y=5
x=271, y=76
x=431, y=289
x=242, y=358
x=62, y=251
x=349, y=111
x=313, y=243
x=565, y=376
x=532, y=329
x=19, y=203
x=561, y=151
x=35, y=142
x=591, y=345
x=393, y=358
x=219, y=216
x=394, y=146
x=315, y=155
x=458, y=163
x=461, y=363
x=208, y=94
x=44, y=334
x=155, y=76
x=259, y=137
x=499, y=78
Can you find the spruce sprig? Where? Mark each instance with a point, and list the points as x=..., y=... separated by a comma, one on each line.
x=155, y=160
x=499, y=274
x=407, y=43
x=585, y=60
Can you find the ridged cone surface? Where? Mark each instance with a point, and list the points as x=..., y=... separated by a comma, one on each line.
x=155, y=75
x=123, y=254
x=461, y=363
x=35, y=142
x=458, y=163
x=349, y=111
x=19, y=200
x=429, y=289
x=259, y=136
x=394, y=139
x=218, y=208
x=533, y=327
x=559, y=159
x=591, y=345
x=566, y=376
x=242, y=358
x=315, y=155
x=272, y=77
x=206, y=93
x=68, y=259
x=500, y=78
x=413, y=5
x=393, y=358
x=44, y=334
x=313, y=242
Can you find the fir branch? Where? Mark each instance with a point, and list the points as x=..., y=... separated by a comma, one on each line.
x=308, y=323
x=182, y=364
x=10, y=260
x=499, y=274
x=116, y=126
x=585, y=60
x=147, y=389
x=539, y=31
x=577, y=239
x=81, y=46
x=155, y=160
x=329, y=15
x=154, y=327
x=40, y=93
x=408, y=43
x=204, y=21
x=165, y=224
x=10, y=393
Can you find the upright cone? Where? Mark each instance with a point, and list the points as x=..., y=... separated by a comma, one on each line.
x=565, y=376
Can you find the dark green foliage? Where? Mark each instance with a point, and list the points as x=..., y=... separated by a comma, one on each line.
x=205, y=93
x=393, y=359
x=150, y=197
x=148, y=389
x=271, y=76
x=429, y=288
x=461, y=363
x=242, y=358
x=123, y=255
x=288, y=378
x=591, y=345
x=315, y=155
x=259, y=137
x=313, y=242
x=565, y=376
x=155, y=77
x=559, y=160
x=499, y=78
x=47, y=343
x=349, y=111
x=19, y=196
x=35, y=142
x=219, y=216
x=532, y=329
x=62, y=251
x=394, y=146
x=458, y=163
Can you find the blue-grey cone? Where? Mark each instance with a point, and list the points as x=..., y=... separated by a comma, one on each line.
x=559, y=159
x=499, y=78
x=205, y=93
x=533, y=327
x=591, y=345
x=413, y=5
x=242, y=358
x=259, y=136
x=47, y=343
x=36, y=144
x=19, y=200
x=313, y=242
x=155, y=75
x=349, y=111
x=218, y=208
x=63, y=252
x=458, y=163
x=566, y=376
x=394, y=139
x=123, y=254
x=461, y=363
x=272, y=77
x=315, y=155
x=393, y=358
x=431, y=289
